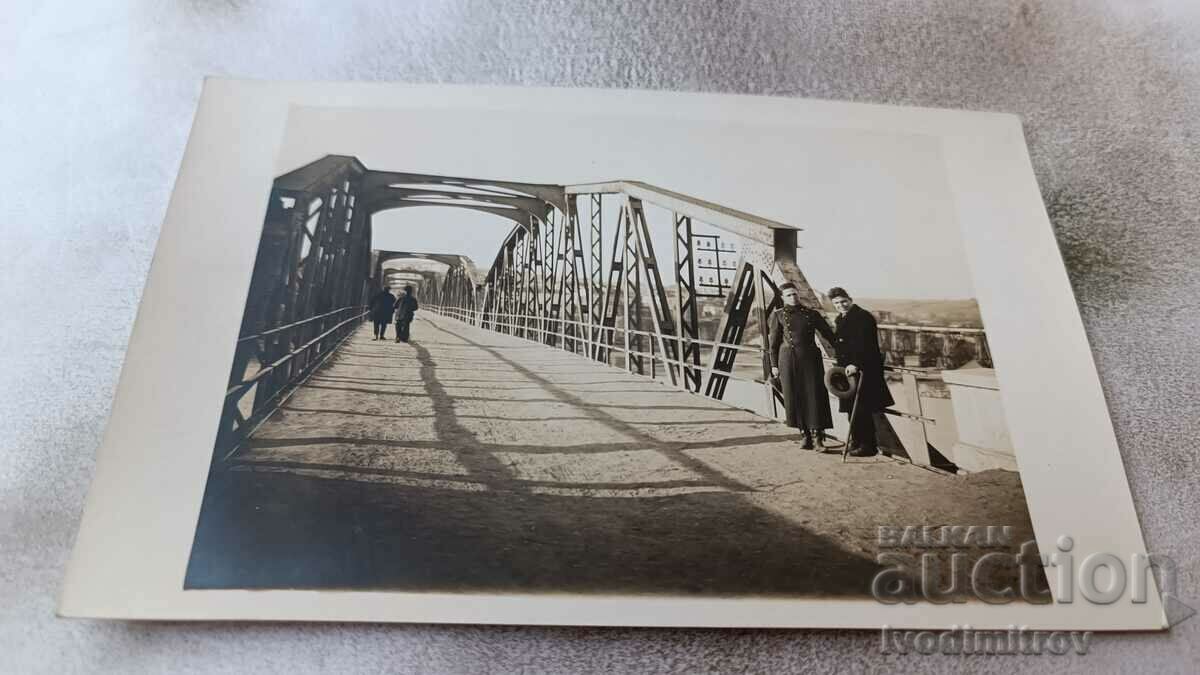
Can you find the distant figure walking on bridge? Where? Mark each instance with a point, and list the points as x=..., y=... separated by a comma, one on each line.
x=796, y=361
x=381, y=311
x=858, y=352
x=406, y=307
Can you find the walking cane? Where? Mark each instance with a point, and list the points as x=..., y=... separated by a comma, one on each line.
x=853, y=412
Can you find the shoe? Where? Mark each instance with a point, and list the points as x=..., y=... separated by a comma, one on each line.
x=820, y=441
x=864, y=452
x=808, y=443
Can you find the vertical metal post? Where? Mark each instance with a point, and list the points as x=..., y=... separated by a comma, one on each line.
x=577, y=288
x=549, y=258
x=613, y=294
x=760, y=302
x=515, y=292
x=568, y=287
x=689, y=318
x=633, y=279
x=597, y=273
x=528, y=289
x=660, y=311
x=679, y=296
x=506, y=292
x=910, y=382
x=655, y=287
x=624, y=219
x=586, y=309
x=533, y=255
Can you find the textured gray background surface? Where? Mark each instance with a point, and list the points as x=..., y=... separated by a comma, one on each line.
x=96, y=102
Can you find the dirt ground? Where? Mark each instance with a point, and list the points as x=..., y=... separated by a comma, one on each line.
x=470, y=460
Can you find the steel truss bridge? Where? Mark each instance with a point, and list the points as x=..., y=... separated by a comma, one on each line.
x=549, y=282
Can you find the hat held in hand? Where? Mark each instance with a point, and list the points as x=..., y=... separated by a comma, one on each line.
x=839, y=383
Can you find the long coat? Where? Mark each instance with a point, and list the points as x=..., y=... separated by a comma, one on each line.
x=382, y=305
x=406, y=305
x=794, y=351
x=857, y=344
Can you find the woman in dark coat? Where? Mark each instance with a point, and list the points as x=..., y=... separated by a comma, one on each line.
x=406, y=306
x=381, y=311
x=796, y=361
x=858, y=351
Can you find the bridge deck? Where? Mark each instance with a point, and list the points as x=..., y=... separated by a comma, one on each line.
x=470, y=460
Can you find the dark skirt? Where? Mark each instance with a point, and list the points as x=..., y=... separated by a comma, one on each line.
x=803, y=381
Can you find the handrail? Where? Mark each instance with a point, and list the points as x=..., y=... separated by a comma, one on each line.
x=455, y=312
x=294, y=324
x=933, y=373
x=660, y=358
x=263, y=372
x=274, y=382
x=631, y=331
x=680, y=339
x=452, y=311
x=915, y=328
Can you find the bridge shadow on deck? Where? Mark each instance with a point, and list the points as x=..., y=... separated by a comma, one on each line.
x=265, y=530
x=269, y=523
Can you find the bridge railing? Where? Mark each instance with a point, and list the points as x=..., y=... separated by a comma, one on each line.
x=579, y=342
x=946, y=347
x=277, y=361
x=907, y=377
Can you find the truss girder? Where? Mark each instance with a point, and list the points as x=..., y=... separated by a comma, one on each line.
x=547, y=283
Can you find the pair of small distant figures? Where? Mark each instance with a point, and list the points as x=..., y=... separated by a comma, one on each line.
x=384, y=306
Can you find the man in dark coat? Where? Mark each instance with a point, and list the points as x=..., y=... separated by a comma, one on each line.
x=381, y=311
x=796, y=361
x=857, y=346
x=406, y=306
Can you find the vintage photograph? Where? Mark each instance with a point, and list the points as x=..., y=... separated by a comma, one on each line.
x=584, y=366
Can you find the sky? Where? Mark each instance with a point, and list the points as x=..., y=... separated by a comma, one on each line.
x=875, y=209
